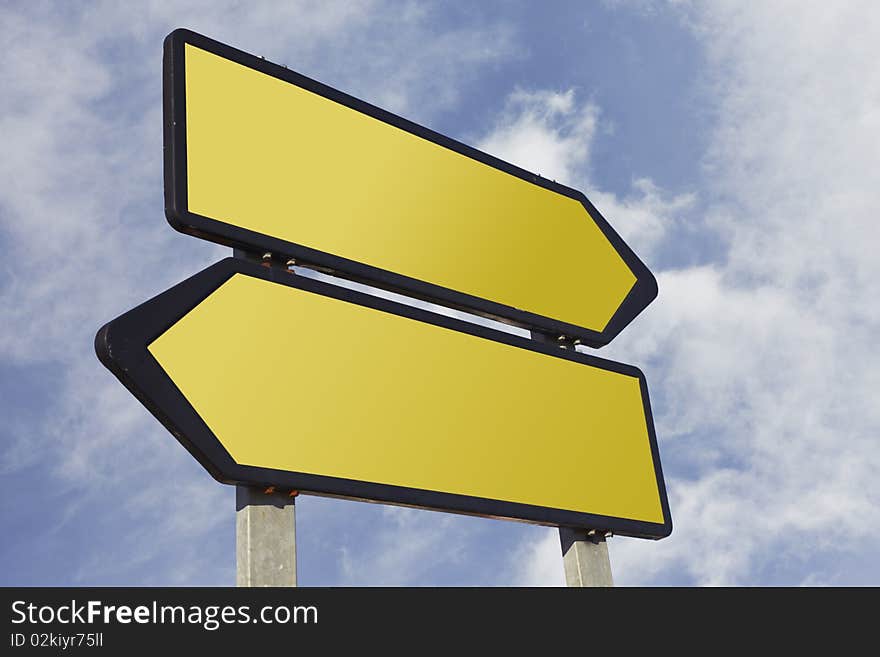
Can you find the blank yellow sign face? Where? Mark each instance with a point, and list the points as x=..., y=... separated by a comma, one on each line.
x=267, y=162
x=291, y=380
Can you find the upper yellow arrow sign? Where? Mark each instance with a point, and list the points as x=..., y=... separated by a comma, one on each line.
x=262, y=158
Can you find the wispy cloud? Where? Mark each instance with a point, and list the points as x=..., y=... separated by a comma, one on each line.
x=547, y=132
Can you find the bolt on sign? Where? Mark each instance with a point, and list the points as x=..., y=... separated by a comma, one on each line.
x=271, y=378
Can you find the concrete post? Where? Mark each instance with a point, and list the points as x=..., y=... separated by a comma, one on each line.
x=585, y=558
x=265, y=538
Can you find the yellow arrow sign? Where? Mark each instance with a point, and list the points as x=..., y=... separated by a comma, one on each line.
x=262, y=158
x=270, y=378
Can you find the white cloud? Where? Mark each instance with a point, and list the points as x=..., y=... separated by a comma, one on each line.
x=408, y=545
x=646, y=215
x=545, y=132
x=538, y=563
x=762, y=363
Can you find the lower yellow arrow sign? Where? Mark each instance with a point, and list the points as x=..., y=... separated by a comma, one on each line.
x=270, y=378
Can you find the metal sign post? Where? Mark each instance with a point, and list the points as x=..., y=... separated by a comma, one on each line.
x=265, y=527
x=265, y=537
x=585, y=558
x=584, y=551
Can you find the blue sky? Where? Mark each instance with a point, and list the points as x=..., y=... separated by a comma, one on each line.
x=734, y=145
